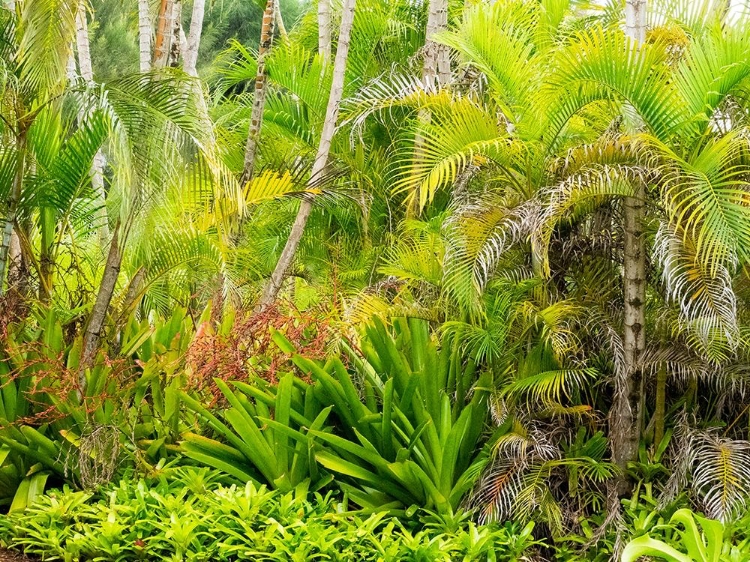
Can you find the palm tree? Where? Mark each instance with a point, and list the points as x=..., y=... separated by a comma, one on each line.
x=321, y=159
x=259, y=96
x=627, y=410
x=144, y=36
x=36, y=53
x=155, y=121
x=547, y=157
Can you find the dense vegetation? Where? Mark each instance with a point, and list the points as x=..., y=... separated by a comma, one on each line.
x=381, y=280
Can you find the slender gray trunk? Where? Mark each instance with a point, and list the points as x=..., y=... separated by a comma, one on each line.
x=259, y=97
x=627, y=415
x=190, y=56
x=97, y=167
x=94, y=327
x=324, y=29
x=635, y=20
x=280, y=22
x=436, y=72
x=15, y=197
x=15, y=259
x=321, y=159
x=144, y=35
x=437, y=64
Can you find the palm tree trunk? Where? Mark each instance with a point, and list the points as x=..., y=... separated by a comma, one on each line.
x=437, y=65
x=635, y=20
x=661, y=405
x=167, y=43
x=259, y=98
x=97, y=167
x=321, y=159
x=177, y=33
x=436, y=72
x=190, y=56
x=324, y=29
x=93, y=331
x=15, y=259
x=627, y=414
x=15, y=197
x=47, y=223
x=144, y=36
x=280, y=22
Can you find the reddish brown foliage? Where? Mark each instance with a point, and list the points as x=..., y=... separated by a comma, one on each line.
x=249, y=350
x=51, y=385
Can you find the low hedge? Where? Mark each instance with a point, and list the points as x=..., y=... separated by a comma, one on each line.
x=189, y=514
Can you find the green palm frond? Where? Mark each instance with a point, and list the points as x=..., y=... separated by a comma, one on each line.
x=499, y=42
x=549, y=388
x=415, y=261
x=706, y=198
x=706, y=299
x=237, y=66
x=461, y=131
x=606, y=65
x=695, y=16
x=715, y=66
x=46, y=33
x=478, y=233
x=579, y=193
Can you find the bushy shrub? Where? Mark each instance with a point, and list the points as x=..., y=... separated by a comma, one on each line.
x=188, y=514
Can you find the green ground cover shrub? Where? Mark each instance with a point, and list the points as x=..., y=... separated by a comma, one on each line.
x=191, y=514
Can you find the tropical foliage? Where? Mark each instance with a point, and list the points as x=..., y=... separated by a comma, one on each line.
x=484, y=260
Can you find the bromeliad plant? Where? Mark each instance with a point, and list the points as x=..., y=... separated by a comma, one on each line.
x=411, y=415
x=128, y=414
x=266, y=428
x=688, y=537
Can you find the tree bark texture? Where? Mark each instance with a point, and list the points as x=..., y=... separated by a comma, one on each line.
x=259, y=97
x=94, y=327
x=144, y=36
x=97, y=167
x=437, y=64
x=273, y=286
x=12, y=205
x=190, y=56
x=167, y=42
x=324, y=29
x=627, y=410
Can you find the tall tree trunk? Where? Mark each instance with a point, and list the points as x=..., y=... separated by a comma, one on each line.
x=93, y=331
x=436, y=71
x=15, y=197
x=82, y=45
x=321, y=159
x=627, y=414
x=47, y=224
x=144, y=36
x=15, y=259
x=177, y=33
x=324, y=29
x=661, y=404
x=190, y=56
x=280, y=22
x=97, y=167
x=167, y=43
x=437, y=64
x=635, y=20
x=259, y=98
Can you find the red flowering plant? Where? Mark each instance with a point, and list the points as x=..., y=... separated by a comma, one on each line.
x=241, y=346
